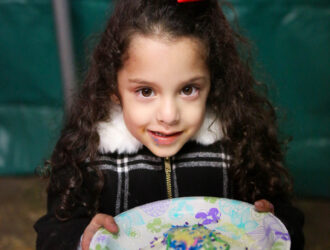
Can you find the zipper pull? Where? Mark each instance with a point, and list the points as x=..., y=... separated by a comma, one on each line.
x=167, y=162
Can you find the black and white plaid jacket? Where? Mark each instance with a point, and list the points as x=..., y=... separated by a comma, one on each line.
x=139, y=178
x=134, y=176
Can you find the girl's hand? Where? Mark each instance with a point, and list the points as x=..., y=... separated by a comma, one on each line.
x=264, y=206
x=99, y=220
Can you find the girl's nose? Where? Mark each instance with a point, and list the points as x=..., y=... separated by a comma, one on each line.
x=168, y=113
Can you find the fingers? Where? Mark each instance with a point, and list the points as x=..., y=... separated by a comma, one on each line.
x=99, y=220
x=109, y=224
x=264, y=206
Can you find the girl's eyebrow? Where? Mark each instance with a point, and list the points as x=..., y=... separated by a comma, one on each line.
x=141, y=81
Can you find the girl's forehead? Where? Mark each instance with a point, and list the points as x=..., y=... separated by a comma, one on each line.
x=165, y=62
x=149, y=51
x=164, y=42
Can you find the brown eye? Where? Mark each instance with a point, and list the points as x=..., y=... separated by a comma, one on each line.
x=187, y=90
x=146, y=92
x=190, y=91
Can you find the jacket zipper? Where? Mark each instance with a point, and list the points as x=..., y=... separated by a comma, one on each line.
x=167, y=162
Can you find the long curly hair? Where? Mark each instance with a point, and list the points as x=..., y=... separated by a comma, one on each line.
x=248, y=118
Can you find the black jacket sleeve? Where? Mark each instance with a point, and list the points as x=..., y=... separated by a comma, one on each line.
x=55, y=234
x=293, y=219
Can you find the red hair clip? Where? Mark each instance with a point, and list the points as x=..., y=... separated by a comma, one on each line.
x=186, y=1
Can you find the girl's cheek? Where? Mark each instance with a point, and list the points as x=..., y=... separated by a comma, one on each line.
x=139, y=115
x=194, y=114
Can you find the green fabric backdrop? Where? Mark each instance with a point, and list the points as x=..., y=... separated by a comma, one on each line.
x=292, y=39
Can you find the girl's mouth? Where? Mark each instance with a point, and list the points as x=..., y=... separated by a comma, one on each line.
x=164, y=139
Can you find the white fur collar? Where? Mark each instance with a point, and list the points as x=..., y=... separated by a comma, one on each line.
x=114, y=135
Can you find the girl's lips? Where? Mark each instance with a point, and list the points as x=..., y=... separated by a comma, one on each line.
x=164, y=139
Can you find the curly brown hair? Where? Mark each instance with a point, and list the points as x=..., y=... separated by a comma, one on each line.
x=248, y=118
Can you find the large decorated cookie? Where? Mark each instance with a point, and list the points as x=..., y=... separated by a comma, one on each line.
x=195, y=237
x=194, y=223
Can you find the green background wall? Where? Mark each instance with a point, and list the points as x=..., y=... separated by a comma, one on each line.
x=292, y=39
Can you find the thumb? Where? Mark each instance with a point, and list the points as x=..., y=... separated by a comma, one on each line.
x=111, y=225
x=98, y=221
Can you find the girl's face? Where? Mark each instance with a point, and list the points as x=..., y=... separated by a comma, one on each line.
x=163, y=87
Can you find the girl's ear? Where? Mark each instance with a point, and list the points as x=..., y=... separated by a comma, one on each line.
x=115, y=99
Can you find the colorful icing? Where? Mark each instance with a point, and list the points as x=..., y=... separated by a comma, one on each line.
x=193, y=238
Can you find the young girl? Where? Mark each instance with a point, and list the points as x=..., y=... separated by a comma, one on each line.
x=168, y=109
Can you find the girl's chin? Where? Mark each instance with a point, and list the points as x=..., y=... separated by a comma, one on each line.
x=162, y=151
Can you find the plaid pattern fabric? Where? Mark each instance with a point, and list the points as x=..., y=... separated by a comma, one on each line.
x=121, y=167
x=136, y=179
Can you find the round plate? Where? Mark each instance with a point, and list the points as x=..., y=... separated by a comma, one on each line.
x=140, y=227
